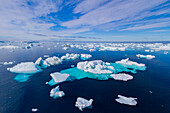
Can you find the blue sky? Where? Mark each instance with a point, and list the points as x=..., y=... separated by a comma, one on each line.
x=101, y=20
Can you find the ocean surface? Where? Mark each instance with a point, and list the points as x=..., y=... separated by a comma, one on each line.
x=151, y=87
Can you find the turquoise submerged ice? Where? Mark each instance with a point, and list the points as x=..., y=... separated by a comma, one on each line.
x=22, y=77
x=100, y=70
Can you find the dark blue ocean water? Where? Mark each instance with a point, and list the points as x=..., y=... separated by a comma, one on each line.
x=18, y=97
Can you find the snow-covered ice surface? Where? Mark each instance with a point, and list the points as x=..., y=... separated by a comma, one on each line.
x=56, y=93
x=126, y=100
x=53, y=60
x=122, y=76
x=82, y=103
x=145, y=56
x=25, y=67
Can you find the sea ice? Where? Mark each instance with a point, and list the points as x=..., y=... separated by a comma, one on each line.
x=82, y=103
x=56, y=93
x=85, y=56
x=71, y=56
x=122, y=76
x=7, y=63
x=145, y=56
x=126, y=100
x=40, y=62
x=53, y=60
x=34, y=109
x=25, y=67
x=58, y=78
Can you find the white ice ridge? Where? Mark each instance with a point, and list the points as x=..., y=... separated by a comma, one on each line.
x=122, y=76
x=130, y=63
x=96, y=66
x=59, y=77
x=126, y=100
x=145, y=56
x=82, y=103
x=56, y=93
x=53, y=60
x=85, y=56
x=25, y=67
x=9, y=47
x=71, y=56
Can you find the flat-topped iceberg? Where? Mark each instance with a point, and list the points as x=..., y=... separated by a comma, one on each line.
x=56, y=93
x=96, y=66
x=25, y=67
x=71, y=56
x=82, y=103
x=41, y=63
x=126, y=100
x=85, y=56
x=53, y=60
x=145, y=56
x=122, y=76
x=58, y=78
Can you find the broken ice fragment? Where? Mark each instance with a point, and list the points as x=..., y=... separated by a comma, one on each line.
x=145, y=56
x=85, y=56
x=53, y=60
x=126, y=100
x=82, y=103
x=122, y=76
x=40, y=62
x=56, y=93
x=34, y=109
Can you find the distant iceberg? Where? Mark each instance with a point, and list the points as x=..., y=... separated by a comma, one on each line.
x=82, y=103
x=34, y=109
x=126, y=100
x=25, y=67
x=122, y=76
x=56, y=93
x=145, y=56
x=85, y=56
x=53, y=60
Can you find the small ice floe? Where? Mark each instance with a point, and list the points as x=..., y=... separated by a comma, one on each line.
x=113, y=49
x=96, y=66
x=149, y=50
x=126, y=100
x=58, y=78
x=46, y=55
x=56, y=93
x=53, y=60
x=85, y=56
x=34, y=109
x=65, y=48
x=41, y=63
x=145, y=56
x=92, y=50
x=122, y=76
x=71, y=56
x=25, y=67
x=9, y=47
x=8, y=63
x=48, y=48
x=82, y=103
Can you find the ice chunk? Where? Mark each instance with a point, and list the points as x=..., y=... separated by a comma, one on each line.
x=71, y=56
x=58, y=78
x=9, y=47
x=40, y=62
x=122, y=76
x=25, y=67
x=126, y=100
x=96, y=66
x=85, y=56
x=34, y=109
x=53, y=60
x=113, y=48
x=56, y=93
x=65, y=48
x=7, y=63
x=145, y=56
x=82, y=103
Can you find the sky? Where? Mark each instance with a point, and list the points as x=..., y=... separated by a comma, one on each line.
x=85, y=20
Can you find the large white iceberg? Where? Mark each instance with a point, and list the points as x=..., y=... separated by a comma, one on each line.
x=40, y=62
x=122, y=76
x=25, y=67
x=56, y=93
x=96, y=66
x=145, y=56
x=85, y=56
x=126, y=100
x=82, y=103
x=71, y=56
x=53, y=60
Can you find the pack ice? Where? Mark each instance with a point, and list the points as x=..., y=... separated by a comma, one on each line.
x=58, y=78
x=122, y=76
x=145, y=56
x=82, y=103
x=126, y=100
x=25, y=67
x=56, y=93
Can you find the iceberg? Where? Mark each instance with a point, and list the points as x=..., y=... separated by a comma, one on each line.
x=85, y=56
x=53, y=60
x=41, y=63
x=34, y=109
x=145, y=56
x=122, y=76
x=56, y=93
x=82, y=103
x=71, y=56
x=25, y=67
x=126, y=100
x=7, y=63
x=9, y=47
x=58, y=78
